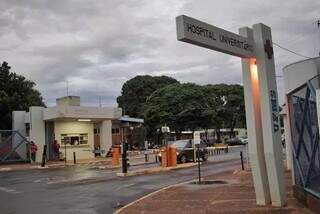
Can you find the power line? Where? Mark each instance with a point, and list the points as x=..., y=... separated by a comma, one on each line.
x=286, y=49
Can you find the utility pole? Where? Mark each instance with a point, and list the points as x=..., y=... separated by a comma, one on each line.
x=318, y=25
x=67, y=85
x=99, y=101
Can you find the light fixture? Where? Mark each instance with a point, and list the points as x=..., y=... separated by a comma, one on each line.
x=84, y=120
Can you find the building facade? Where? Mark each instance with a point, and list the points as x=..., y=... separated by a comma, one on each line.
x=301, y=122
x=78, y=129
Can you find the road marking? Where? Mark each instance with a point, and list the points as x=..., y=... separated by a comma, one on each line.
x=5, y=169
x=7, y=190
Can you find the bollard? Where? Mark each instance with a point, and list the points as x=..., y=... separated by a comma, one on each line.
x=74, y=157
x=241, y=157
x=146, y=157
x=156, y=158
x=124, y=157
x=199, y=170
x=44, y=155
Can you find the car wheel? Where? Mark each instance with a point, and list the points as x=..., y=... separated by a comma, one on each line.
x=183, y=159
x=205, y=157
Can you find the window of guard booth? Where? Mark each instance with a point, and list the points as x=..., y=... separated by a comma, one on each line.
x=74, y=139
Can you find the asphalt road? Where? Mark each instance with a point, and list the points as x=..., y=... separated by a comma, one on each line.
x=91, y=190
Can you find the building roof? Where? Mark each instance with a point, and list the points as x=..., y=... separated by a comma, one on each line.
x=131, y=119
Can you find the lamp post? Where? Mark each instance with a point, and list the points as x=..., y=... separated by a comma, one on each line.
x=131, y=136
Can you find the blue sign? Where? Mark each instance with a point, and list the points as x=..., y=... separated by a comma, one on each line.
x=274, y=110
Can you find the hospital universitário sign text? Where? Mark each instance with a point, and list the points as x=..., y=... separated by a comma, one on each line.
x=202, y=34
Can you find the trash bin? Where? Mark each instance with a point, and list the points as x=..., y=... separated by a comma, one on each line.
x=172, y=158
x=115, y=156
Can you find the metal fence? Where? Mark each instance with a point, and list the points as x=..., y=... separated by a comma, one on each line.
x=14, y=147
x=304, y=120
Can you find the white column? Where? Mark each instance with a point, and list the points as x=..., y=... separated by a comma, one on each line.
x=287, y=133
x=106, y=135
x=254, y=127
x=37, y=130
x=270, y=117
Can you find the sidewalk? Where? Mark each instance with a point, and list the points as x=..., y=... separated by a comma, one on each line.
x=237, y=196
x=55, y=164
x=96, y=162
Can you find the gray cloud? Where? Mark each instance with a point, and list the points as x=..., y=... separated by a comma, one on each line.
x=98, y=45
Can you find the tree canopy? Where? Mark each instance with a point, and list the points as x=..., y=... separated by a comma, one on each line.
x=164, y=101
x=189, y=107
x=180, y=106
x=229, y=103
x=16, y=93
x=135, y=92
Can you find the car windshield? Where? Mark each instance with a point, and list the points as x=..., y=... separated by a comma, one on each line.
x=179, y=144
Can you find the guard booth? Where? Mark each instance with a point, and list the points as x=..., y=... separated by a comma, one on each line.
x=302, y=87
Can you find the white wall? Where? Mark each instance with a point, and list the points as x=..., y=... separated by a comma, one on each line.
x=18, y=123
x=299, y=73
x=82, y=112
x=106, y=135
x=82, y=151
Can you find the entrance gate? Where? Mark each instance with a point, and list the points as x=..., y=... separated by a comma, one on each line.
x=254, y=46
x=13, y=147
x=303, y=104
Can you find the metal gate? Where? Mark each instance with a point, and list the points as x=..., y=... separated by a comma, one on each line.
x=305, y=135
x=14, y=147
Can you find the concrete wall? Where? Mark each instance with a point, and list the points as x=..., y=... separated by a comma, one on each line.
x=299, y=73
x=81, y=112
x=37, y=130
x=106, y=135
x=69, y=100
x=18, y=123
x=82, y=151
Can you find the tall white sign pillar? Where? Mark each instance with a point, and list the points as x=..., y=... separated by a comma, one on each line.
x=254, y=126
x=270, y=117
x=260, y=89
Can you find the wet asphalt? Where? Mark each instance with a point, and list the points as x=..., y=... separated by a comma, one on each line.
x=92, y=190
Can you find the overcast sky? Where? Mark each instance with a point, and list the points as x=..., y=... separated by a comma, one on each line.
x=98, y=45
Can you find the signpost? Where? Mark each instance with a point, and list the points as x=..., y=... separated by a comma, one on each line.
x=208, y=36
x=196, y=144
x=254, y=46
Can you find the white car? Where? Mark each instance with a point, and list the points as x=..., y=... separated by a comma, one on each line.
x=244, y=141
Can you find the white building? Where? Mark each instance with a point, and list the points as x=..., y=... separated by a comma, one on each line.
x=301, y=122
x=76, y=128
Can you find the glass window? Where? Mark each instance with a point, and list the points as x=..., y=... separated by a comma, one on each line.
x=115, y=130
x=74, y=139
x=96, y=131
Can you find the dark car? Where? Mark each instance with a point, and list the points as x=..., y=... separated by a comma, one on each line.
x=185, y=151
x=234, y=141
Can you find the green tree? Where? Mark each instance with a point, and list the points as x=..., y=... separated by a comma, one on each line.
x=135, y=92
x=229, y=106
x=16, y=93
x=180, y=106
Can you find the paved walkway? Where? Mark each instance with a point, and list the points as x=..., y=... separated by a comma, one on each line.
x=237, y=196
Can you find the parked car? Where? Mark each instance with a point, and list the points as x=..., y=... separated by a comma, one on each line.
x=244, y=141
x=233, y=141
x=185, y=151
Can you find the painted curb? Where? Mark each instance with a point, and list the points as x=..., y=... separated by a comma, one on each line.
x=151, y=194
x=156, y=192
x=152, y=170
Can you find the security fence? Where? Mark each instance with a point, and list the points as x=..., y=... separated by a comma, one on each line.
x=303, y=105
x=14, y=147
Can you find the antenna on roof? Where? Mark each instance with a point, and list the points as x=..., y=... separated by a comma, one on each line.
x=67, y=85
x=100, y=105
